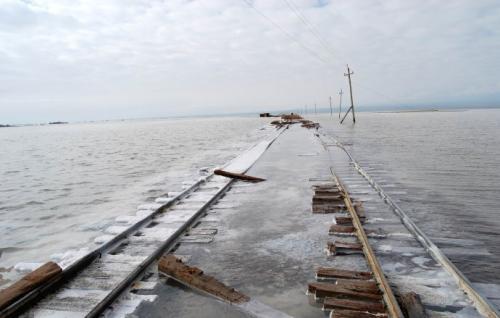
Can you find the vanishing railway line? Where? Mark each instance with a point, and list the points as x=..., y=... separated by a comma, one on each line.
x=358, y=279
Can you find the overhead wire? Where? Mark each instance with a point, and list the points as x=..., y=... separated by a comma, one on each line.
x=313, y=30
x=322, y=40
x=286, y=33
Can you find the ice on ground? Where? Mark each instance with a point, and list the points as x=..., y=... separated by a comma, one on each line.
x=149, y=206
x=258, y=309
x=163, y=200
x=115, y=229
x=374, y=220
x=241, y=163
x=69, y=257
x=25, y=267
x=127, y=304
x=144, y=213
x=129, y=219
x=103, y=239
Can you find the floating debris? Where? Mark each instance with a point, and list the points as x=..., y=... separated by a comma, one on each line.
x=238, y=176
x=194, y=277
x=28, y=283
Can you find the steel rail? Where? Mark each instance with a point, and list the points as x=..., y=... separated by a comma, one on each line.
x=482, y=304
x=391, y=303
x=165, y=247
x=30, y=299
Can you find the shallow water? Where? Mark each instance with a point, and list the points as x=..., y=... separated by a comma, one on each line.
x=443, y=169
x=63, y=184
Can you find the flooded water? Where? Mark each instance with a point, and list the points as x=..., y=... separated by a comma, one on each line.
x=61, y=185
x=443, y=169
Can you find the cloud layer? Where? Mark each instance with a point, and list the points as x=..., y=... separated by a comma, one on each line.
x=68, y=59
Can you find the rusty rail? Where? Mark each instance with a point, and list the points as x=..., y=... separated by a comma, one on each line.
x=390, y=300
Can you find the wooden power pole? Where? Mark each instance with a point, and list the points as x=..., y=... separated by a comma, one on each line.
x=348, y=74
x=340, y=102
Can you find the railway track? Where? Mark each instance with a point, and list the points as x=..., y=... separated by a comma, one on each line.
x=90, y=285
x=391, y=243
x=348, y=293
x=382, y=255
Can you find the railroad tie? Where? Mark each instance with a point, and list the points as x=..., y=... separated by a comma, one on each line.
x=344, y=292
x=327, y=199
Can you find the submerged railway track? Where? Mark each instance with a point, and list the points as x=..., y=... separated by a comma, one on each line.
x=361, y=284
x=89, y=286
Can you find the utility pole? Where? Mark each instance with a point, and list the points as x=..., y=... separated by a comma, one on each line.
x=331, y=109
x=340, y=102
x=306, y=109
x=348, y=74
x=315, y=112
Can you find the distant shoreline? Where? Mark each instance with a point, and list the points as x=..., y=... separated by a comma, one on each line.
x=414, y=111
x=320, y=110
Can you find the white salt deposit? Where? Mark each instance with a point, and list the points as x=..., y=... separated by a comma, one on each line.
x=127, y=304
x=259, y=309
x=69, y=257
x=115, y=229
x=149, y=206
x=144, y=213
x=26, y=267
x=128, y=219
x=163, y=200
x=103, y=239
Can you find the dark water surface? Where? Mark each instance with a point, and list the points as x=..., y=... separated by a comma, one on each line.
x=443, y=169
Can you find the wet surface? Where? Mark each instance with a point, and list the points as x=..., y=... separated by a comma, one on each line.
x=62, y=185
x=442, y=168
x=269, y=243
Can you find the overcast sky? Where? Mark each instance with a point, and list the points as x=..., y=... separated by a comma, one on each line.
x=100, y=59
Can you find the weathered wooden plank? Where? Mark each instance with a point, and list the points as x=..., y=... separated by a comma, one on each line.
x=360, y=210
x=238, y=176
x=343, y=220
x=28, y=283
x=327, y=208
x=341, y=229
x=359, y=305
x=330, y=192
x=340, y=247
x=327, y=198
x=359, y=285
x=346, y=313
x=195, y=278
x=328, y=272
x=411, y=304
x=333, y=290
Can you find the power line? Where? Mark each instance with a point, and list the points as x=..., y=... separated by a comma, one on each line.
x=314, y=31
x=286, y=33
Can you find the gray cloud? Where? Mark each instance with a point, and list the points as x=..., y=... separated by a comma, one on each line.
x=63, y=59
